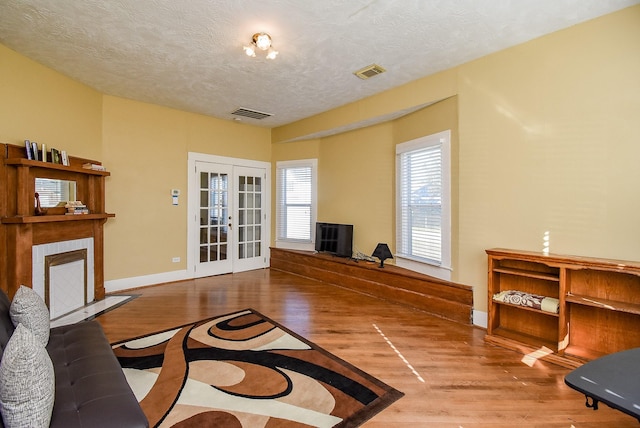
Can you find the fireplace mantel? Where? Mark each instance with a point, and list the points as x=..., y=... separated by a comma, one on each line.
x=21, y=228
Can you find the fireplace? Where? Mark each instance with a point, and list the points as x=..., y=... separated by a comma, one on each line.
x=63, y=274
x=31, y=236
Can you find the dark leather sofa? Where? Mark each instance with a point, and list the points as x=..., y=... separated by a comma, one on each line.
x=91, y=390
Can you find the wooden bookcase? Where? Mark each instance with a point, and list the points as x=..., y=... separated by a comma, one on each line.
x=599, y=305
x=21, y=228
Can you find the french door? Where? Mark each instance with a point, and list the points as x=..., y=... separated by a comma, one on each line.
x=214, y=220
x=250, y=216
x=229, y=225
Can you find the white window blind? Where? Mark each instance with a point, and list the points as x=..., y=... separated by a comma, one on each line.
x=423, y=213
x=295, y=216
x=421, y=203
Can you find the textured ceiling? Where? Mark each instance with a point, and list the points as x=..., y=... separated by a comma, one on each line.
x=188, y=54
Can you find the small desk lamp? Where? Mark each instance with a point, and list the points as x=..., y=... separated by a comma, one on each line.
x=382, y=252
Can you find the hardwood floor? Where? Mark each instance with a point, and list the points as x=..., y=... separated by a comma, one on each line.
x=457, y=380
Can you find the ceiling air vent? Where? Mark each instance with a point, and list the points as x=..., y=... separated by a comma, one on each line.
x=369, y=71
x=253, y=114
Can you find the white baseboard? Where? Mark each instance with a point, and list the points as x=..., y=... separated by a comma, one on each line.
x=481, y=319
x=145, y=280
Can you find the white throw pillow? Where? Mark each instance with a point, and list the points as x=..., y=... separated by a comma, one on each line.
x=27, y=381
x=28, y=309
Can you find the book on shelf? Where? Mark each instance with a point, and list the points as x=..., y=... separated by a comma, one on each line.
x=44, y=152
x=77, y=211
x=28, y=149
x=94, y=166
x=76, y=207
x=64, y=158
x=34, y=146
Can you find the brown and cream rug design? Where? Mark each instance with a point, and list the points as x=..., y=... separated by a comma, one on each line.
x=245, y=370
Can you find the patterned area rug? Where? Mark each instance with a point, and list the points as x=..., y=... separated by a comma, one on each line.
x=245, y=370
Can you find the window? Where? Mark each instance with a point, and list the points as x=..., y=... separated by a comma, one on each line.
x=423, y=209
x=296, y=204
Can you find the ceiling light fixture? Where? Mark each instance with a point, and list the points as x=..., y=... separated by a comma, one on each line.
x=260, y=41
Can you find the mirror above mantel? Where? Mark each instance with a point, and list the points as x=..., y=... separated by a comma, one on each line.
x=54, y=192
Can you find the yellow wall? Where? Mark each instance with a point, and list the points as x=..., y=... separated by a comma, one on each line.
x=356, y=171
x=355, y=184
x=146, y=150
x=549, y=143
x=39, y=104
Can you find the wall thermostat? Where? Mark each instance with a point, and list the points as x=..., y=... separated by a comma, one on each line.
x=174, y=196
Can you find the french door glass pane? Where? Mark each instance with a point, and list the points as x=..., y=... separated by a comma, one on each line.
x=249, y=216
x=214, y=209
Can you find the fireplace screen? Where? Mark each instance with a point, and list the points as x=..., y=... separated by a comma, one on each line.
x=65, y=281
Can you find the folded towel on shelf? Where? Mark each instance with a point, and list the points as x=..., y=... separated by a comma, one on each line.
x=515, y=297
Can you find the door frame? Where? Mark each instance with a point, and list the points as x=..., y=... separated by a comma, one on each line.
x=193, y=207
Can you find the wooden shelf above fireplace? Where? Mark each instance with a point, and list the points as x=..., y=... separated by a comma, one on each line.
x=54, y=166
x=54, y=218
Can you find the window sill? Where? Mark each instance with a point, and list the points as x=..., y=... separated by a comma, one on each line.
x=302, y=246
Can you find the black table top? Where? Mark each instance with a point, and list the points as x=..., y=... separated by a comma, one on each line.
x=613, y=379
